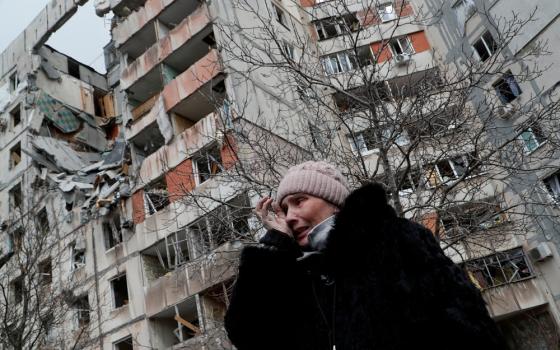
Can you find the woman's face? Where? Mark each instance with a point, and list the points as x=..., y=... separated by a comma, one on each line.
x=303, y=212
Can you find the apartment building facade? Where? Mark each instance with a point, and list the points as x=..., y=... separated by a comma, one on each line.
x=154, y=166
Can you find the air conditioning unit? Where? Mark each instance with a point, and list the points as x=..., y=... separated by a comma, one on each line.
x=540, y=252
x=505, y=111
x=402, y=59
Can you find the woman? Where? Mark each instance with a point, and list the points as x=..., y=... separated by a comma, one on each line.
x=339, y=270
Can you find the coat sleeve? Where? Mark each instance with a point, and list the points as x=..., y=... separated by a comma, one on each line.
x=451, y=304
x=264, y=296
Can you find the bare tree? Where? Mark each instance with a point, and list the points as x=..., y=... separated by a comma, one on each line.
x=37, y=281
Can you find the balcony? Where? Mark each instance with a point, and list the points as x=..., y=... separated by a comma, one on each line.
x=183, y=46
x=509, y=299
x=194, y=93
x=190, y=279
x=139, y=29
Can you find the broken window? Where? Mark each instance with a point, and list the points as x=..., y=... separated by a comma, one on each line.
x=15, y=155
x=401, y=46
x=552, y=185
x=124, y=344
x=16, y=198
x=16, y=240
x=167, y=255
x=112, y=232
x=225, y=223
x=498, y=269
x=339, y=62
x=507, y=88
x=15, y=116
x=471, y=217
x=156, y=196
x=532, y=138
x=208, y=163
x=409, y=181
x=82, y=309
x=45, y=272
x=74, y=68
x=452, y=168
x=330, y=27
x=78, y=254
x=280, y=16
x=485, y=46
x=120, y=291
x=17, y=290
x=42, y=221
x=364, y=56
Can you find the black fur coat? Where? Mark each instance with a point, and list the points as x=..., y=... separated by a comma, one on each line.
x=382, y=283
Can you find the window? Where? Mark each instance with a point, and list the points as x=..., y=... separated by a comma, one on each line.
x=78, y=254
x=208, y=163
x=485, y=46
x=507, y=88
x=386, y=12
x=124, y=344
x=451, y=169
x=14, y=82
x=364, y=141
x=15, y=155
x=15, y=240
x=532, y=138
x=317, y=137
x=74, y=68
x=82, y=309
x=16, y=198
x=42, y=221
x=471, y=217
x=334, y=26
x=498, y=269
x=45, y=272
x=410, y=181
x=552, y=185
x=112, y=232
x=17, y=290
x=339, y=62
x=280, y=16
x=288, y=50
x=120, y=291
x=15, y=116
x=156, y=196
x=401, y=46
x=364, y=56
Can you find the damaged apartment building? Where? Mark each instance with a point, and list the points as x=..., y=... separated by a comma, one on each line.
x=138, y=177
x=103, y=167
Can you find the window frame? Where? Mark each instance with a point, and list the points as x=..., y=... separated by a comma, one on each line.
x=113, y=294
x=205, y=153
x=552, y=185
x=344, y=63
x=537, y=138
x=381, y=12
x=507, y=80
x=490, y=49
x=408, y=50
x=280, y=15
x=486, y=265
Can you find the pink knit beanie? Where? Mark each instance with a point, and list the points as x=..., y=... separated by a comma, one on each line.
x=319, y=179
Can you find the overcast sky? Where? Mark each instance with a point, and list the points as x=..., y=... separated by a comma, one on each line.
x=82, y=37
